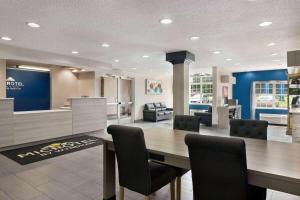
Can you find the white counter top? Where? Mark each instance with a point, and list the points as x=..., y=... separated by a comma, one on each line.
x=40, y=111
x=87, y=98
x=5, y=99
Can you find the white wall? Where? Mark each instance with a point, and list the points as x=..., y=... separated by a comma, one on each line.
x=141, y=98
x=2, y=78
x=64, y=84
x=86, y=84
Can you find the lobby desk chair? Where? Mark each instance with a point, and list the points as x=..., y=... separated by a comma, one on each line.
x=257, y=129
x=219, y=169
x=136, y=171
x=186, y=123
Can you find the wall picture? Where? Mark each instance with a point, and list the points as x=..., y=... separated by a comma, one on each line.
x=153, y=87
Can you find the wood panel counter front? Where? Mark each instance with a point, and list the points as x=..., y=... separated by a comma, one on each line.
x=85, y=115
x=273, y=165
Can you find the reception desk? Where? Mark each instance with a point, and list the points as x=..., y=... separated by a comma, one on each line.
x=223, y=115
x=85, y=115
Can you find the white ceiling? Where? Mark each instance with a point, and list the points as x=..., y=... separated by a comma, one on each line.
x=132, y=29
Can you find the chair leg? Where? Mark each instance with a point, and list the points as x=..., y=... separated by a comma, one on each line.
x=178, y=188
x=147, y=197
x=172, y=189
x=121, y=193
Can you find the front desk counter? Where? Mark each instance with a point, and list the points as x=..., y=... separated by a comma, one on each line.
x=85, y=115
x=223, y=115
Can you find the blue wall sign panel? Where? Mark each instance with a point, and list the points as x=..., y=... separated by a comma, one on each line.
x=30, y=89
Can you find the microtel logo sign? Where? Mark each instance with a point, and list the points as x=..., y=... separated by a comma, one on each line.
x=12, y=84
x=58, y=148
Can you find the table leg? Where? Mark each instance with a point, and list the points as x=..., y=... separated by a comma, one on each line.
x=109, y=173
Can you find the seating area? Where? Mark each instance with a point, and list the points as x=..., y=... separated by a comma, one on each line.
x=156, y=112
x=205, y=117
x=206, y=154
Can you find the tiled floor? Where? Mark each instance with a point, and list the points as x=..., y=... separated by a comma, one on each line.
x=78, y=176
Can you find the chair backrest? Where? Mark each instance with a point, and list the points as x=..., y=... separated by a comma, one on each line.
x=132, y=157
x=257, y=129
x=187, y=123
x=157, y=106
x=232, y=111
x=219, y=167
x=149, y=106
x=209, y=109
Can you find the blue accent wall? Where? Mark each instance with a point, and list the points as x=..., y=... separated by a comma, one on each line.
x=242, y=88
x=30, y=89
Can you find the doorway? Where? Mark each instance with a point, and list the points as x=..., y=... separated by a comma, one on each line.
x=118, y=91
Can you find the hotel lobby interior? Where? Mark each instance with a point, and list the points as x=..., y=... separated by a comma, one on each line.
x=139, y=99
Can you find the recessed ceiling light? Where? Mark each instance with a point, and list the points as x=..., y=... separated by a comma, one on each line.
x=6, y=38
x=194, y=38
x=166, y=21
x=274, y=54
x=105, y=45
x=116, y=60
x=228, y=59
x=264, y=24
x=75, y=52
x=271, y=44
x=216, y=52
x=83, y=70
x=33, y=25
x=145, y=56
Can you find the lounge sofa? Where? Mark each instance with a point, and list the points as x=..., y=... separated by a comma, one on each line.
x=205, y=117
x=156, y=112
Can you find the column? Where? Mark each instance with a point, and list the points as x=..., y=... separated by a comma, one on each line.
x=181, y=61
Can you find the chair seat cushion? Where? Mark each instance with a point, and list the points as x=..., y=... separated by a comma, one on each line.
x=168, y=112
x=160, y=114
x=161, y=175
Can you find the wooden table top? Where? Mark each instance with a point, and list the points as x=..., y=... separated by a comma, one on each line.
x=270, y=158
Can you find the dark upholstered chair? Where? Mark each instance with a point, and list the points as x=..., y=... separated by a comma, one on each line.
x=257, y=129
x=186, y=123
x=232, y=112
x=136, y=171
x=206, y=117
x=219, y=169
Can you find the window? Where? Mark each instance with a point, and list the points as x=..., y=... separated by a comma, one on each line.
x=201, y=88
x=270, y=94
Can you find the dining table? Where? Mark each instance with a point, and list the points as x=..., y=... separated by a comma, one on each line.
x=271, y=164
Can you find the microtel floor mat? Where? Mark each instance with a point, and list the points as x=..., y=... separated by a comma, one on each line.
x=31, y=154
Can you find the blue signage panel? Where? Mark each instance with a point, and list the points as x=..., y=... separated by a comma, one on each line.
x=30, y=89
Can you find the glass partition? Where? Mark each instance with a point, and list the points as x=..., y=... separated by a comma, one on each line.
x=118, y=92
x=109, y=89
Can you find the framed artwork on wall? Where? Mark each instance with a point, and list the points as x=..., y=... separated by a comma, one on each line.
x=154, y=87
